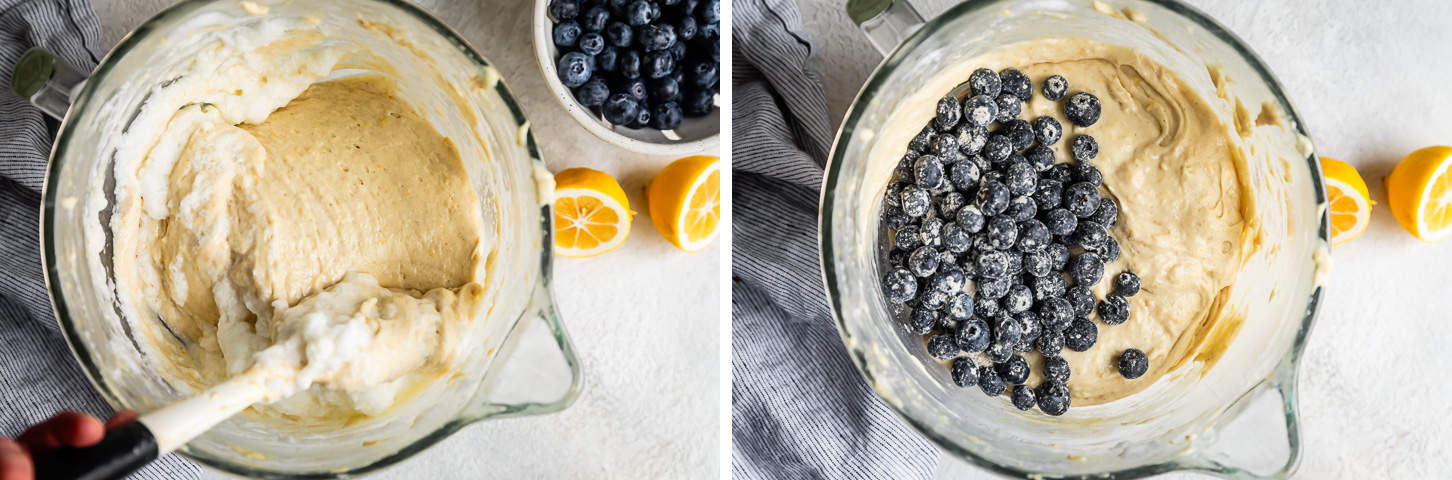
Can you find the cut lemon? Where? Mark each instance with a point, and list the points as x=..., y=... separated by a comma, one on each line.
x=1419, y=193
x=685, y=202
x=592, y=215
x=1350, y=204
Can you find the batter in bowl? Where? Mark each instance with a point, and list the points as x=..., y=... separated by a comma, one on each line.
x=342, y=224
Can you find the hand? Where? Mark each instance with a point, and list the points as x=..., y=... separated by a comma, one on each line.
x=66, y=429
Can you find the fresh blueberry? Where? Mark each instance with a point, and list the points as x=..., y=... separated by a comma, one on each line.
x=710, y=11
x=930, y=229
x=664, y=90
x=566, y=34
x=574, y=69
x=629, y=64
x=637, y=13
x=997, y=148
x=1126, y=283
x=1033, y=236
x=983, y=164
x=1036, y=263
x=620, y=109
x=992, y=197
x=595, y=18
x=608, y=60
x=989, y=381
x=991, y=264
x=921, y=321
x=1028, y=321
x=900, y=286
x=1048, y=286
x=934, y=300
x=1090, y=235
x=948, y=279
x=1082, y=299
x=949, y=111
x=1108, y=252
x=1060, y=222
x=564, y=9
x=1055, y=313
x=987, y=307
x=1015, y=266
x=1018, y=299
x=944, y=144
x=1002, y=232
x=1059, y=172
x=666, y=116
x=1022, y=397
x=1114, y=310
x=1017, y=83
x=1015, y=370
x=1020, y=133
x=908, y=237
x=656, y=37
x=642, y=116
x=985, y=82
x=1082, y=109
x=1133, y=363
x=1049, y=194
x=964, y=175
x=980, y=110
x=1006, y=331
x=1021, y=208
x=1087, y=173
x=1081, y=199
x=1086, y=269
x=955, y=239
x=915, y=201
x=591, y=43
x=1050, y=343
x=686, y=28
x=698, y=102
x=894, y=217
x=1047, y=130
x=1058, y=255
x=1107, y=213
x=658, y=64
x=619, y=34
x=970, y=218
x=922, y=140
x=999, y=352
x=593, y=93
x=973, y=335
x=971, y=138
x=1053, y=398
x=961, y=307
x=634, y=88
x=711, y=32
x=1040, y=156
x=928, y=172
x=1081, y=335
x=1055, y=87
x=1009, y=107
x=949, y=204
x=1084, y=148
x=965, y=372
x=924, y=261
x=1056, y=370
x=942, y=347
x=1021, y=178
x=993, y=287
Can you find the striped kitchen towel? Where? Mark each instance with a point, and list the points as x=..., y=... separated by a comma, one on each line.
x=799, y=408
x=38, y=377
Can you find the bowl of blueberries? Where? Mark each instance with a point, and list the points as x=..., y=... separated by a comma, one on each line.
x=643, y=75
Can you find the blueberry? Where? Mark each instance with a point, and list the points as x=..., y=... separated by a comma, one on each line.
x=993, y=287
x=666, y=116
x=1006, y=330
x=930, y=230
x=564, y=9
x=608, y=60
x=928, y=172
x=634, y=88
x=1036, y=263
x=1050, y=343
x=1047, y=130
x=1107, y=214
x=985, y=82
x=900, y=286
x=983, y=164
x=1018, y=299
x=620, y=109
x=922, y=140
x=964, y=175
x=1021, y=208
x=710, y=11
x=642, y=116
x=955, y=239
x=595, y=18
x=1015, y=266
x=1002, y=232
x=1020, y=134
x=1056, y=370
x=1055, y=87
x=710, y=31
x=1021, y=178
x=1090, y=235
x=1055, y=313
x=970, y=218
x=1084, y=148
x=1114, y=310
x=1082, y=109
x=1081, y=199
x=1009, y=107
x=924, y=261
x=991, y=264
x=1081, y=335
x=1028, y=321
x=1058, y=255
x=1082, y=299
x=971, y=138
x=1060, y=222
x=997, y=148
x=980, y=110
x=999, y=352
x=987, y=307
x=618, y=5
x=949, y=203
x=664, y=90
x=1059, y=172
x=973, y=335
x=948, y=279
x=1033, y=236
x=989, y=381
x=1017, y=83
x=656, y=37
x=960, y=308
x=637, y=13
x=944, y=145
x=629, y=64
x=934, y=300
x=619, y=34
x=698, y=102
x=894, y=217
x=948, y=113
x=942, y=347
x=686, y=28
x=1053, y=398
x=1048, y=195
x=1015, y=370
x=908, y=237
x=1048, y=286
x=591, y=43
x=574, y=69
x=658, y=64
x=992, y=197
x=1040, y=156
x=1022, y=397
x=1086, y=269
x=1108, y=252
x=921, y=321
x=965, y=372
x=915, y=201
x=593, y=93
x=1126, y=283
x=1133, y=363
x=1087, y=173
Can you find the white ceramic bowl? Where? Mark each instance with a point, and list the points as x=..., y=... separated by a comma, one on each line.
x=694, y=136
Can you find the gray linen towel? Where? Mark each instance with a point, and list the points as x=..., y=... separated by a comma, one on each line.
x=38, y=377
x=799, y=408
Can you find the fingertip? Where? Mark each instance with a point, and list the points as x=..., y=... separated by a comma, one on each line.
x=14, y=461
x=78, y=429
x=121, y=418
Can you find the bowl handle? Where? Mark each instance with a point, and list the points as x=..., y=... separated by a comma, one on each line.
x=535, y=370
x=46, y=81
x=1245, y=443
x=885, y=22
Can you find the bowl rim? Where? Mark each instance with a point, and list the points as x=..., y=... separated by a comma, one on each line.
x=544, y=58
x=1289, y=361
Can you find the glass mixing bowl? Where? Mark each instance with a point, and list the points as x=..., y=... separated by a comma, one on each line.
x=1224, y=415
x=523, y=363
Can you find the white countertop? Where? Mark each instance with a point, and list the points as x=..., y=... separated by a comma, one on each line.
x=644, y=318
x=1370, y=79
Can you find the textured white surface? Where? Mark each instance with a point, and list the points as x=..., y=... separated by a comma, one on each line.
x=1370, y=80
x=644, y=318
